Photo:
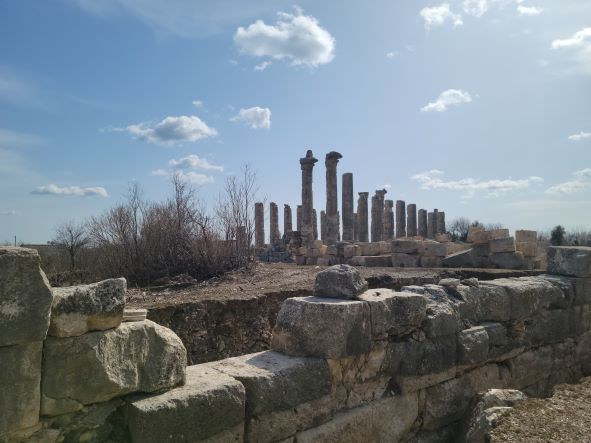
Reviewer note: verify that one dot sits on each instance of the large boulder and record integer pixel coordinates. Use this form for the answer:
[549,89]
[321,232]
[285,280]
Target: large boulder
[210,405]
[322,327]
[98,366]
[340,281]
[95,307]
[25,297]
[569,260]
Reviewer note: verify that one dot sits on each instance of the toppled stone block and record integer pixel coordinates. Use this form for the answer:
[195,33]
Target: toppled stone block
[135,357]
[394,313]
[569,260]
[407,246]
[481,249]
[95,307]
[283,394]
[400,260]
[211,405]
[25,297]
[20,378]
[502,245]
[340,281]
[523,236]
[472,281]
[507,260]
[322,327]
[472,345]
[434,249]
[462,259]
[450,282]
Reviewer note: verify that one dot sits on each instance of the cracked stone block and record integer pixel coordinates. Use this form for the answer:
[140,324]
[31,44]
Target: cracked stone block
[569,260]
[340,281]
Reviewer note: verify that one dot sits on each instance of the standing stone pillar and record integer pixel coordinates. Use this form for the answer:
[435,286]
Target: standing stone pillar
[388,222]
[440,222]
[430,224]
[287,220]
[274,235]
[435,211]
[323,226]
[363,217]
[422,224]
[307,164]
[259,225]
[400,219]
[332,217]
[314,224]
[347,203]
[411,220]
[377,215]
[299,218]
[355,227]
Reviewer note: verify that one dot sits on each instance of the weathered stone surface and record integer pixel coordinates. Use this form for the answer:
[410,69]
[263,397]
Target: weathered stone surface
[524,236]
[394,313]
[322,327]
[135,357]
[385,420]
[502,245]
[210,405]
[481,249]
[283,394]
[496,234]
[472,345]
[340,281]
[507,260]
[375,261]
[372,248]
[569,260]
[435,249]
[430,262]
[527,249]
[442,319]
[20,378]
[25,297]
[95,307]
[405,260]
[472,230]
[407,246]
[449,282]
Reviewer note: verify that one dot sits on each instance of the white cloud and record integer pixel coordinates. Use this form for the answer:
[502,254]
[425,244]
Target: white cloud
[78,191]
[255,117]
[192,177]
[193,161]
[263,65]
[438,15]
[197,103]
[580,136]
[172,130]
[392,54]
[581,182]
[451,97]
[477,8]
[295,37]
[529,11]
[432,179]
[578,47]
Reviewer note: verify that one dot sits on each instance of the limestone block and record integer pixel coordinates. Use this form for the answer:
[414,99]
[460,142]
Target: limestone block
[400,260]
[20,379]
[442,319]
[442,238]
[433,249]
[283,394]
[300,260]
[479,237]
[482,249]
[317,244]
[135,357]
[25,297]
[497,234]
[385,247]
[523,236]
[431,262]
[407,246]
[323,261]
[502,245]
[472,345]
[79,309]
[372,248]
[350,251]
[322,327]
[507,260]
[340,281]
[394,313]
[385,420]
[374,261]
[472,230]
[211,405]
[449,282]
[569,260]
[331,250]
[531,366]
[489,302]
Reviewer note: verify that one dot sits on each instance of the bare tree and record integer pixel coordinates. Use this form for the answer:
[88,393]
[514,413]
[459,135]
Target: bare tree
[458,228]
[71,237]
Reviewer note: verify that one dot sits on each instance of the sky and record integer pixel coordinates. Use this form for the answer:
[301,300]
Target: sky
[480,108]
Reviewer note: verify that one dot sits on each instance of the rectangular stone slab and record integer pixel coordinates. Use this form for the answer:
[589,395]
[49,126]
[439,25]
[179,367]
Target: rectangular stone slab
[569,260]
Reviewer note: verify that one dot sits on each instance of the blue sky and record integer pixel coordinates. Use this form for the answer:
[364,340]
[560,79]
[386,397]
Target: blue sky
[481,108]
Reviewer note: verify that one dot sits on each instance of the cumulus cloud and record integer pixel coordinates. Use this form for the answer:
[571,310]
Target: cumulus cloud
[432,179]
[392,54]
[438,15]
[263,65]
[193,177]
[447,99]
[77,191]
[580,182]
[193,161]
[578,47]
[172,130]
[530,11]
[295,37]
[477,8]
[580,136]
[254,117]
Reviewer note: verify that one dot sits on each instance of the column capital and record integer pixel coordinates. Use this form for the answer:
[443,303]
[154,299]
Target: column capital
[308,161]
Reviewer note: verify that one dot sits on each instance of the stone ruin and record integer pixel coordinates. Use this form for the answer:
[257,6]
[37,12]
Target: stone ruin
[396,234]
[428,363]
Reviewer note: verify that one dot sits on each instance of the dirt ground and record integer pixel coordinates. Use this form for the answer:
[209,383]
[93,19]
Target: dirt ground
[564,417]
[267,278]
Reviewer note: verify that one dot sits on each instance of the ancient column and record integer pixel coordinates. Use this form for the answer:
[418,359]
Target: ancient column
[332,220]
[362,217]
[435,211]
[314,224]
[323,226]
[411,220]
[307,164]
[259,225]
[388,222]
[299,218]
[274,235]
[430,225]
[440,222]
[422,225]
[347,204]
[287,220]
[377,215]
[355,227]
[400,219]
